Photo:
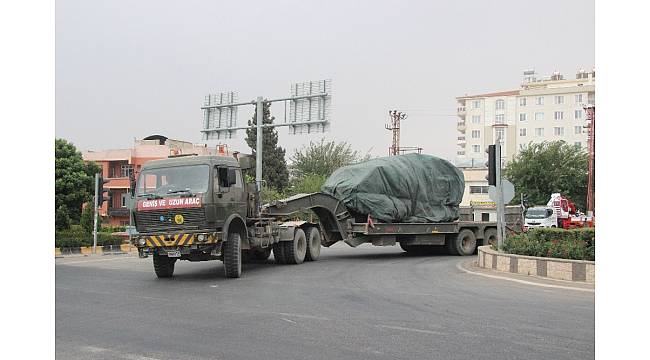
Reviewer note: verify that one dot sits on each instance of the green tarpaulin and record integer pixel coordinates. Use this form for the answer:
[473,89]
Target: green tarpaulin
[404,188]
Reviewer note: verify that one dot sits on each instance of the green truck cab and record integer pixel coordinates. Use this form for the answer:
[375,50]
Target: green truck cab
[199,208]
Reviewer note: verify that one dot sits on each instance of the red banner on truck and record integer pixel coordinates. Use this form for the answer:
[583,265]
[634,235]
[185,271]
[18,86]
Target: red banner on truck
[169,203]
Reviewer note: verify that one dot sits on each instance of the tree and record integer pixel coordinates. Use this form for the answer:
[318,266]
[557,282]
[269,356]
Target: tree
[73,179]
[323,158]
[307,184]
[274,165]
[61,218]
[87,220]
[550,167]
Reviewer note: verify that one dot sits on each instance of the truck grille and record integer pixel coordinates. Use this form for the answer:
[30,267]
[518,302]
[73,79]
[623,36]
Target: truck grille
[163,220]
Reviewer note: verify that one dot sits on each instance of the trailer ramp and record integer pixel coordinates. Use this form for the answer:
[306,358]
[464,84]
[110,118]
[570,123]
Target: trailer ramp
[332,213]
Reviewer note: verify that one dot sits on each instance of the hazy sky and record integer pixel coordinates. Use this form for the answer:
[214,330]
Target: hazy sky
[128,69]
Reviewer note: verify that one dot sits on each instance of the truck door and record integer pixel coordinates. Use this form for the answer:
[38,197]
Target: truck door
[228,192]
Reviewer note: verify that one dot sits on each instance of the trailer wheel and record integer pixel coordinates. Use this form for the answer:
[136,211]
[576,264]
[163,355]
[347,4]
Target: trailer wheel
[295,250]
[490,236]
[232,256]
[463,244]
[163,266]
[278,252]
[313,244]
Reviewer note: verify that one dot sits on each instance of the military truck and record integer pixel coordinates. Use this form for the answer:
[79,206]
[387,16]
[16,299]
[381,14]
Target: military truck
[198,208]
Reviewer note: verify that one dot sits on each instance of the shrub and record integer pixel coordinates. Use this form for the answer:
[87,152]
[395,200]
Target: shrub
[76,237]
[62,218]
[576,244]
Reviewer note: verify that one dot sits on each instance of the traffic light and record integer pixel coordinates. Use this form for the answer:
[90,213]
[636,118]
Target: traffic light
[100,191]
[491,165]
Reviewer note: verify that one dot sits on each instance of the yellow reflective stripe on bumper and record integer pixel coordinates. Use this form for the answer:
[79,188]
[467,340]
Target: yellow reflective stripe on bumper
[177,240]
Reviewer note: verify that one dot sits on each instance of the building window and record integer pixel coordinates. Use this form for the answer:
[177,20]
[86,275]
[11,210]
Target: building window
[578,114]
[476,134]
[476,119]
[522,101]
[522,146]
[539,116]
[558,131]
[522,117]
[559,115]
[500,119]
[476,104]
[476,148]
[578,129]
[522,132]
[123,200]
[478,189]
[578,98]
[559,99]
[126,170]
[539,100]
[500,134]
[460,153]
[539,132]
[577,144]
[500,104]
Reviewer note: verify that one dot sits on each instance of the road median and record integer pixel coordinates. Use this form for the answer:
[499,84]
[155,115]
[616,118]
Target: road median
[552,268]
[101,250]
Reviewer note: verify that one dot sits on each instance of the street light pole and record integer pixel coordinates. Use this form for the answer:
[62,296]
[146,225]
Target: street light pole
[259,150]
[95,217]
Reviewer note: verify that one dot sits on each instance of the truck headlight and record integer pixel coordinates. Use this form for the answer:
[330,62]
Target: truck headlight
[142,241]
[201,237]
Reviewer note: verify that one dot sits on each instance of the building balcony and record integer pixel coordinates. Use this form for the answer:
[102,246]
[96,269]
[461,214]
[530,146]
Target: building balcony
[500,124]
[122,212]
[461,126]
[461,111]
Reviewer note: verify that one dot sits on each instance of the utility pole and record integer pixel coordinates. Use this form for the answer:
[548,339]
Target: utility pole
[95,219]
[259,150]
[394,126]
[591,144]
[501,229]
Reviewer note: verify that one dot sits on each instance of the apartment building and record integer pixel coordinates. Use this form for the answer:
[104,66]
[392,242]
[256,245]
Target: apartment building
[542,109]
[118,165]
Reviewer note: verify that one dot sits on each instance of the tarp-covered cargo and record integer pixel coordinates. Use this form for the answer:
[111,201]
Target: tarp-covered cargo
[405,188]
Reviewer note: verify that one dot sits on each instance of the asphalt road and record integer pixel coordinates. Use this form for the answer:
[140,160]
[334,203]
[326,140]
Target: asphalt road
[363,303]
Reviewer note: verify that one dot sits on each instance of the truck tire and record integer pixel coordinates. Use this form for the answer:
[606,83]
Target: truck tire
[232,256]
[490,236]
[464,243]
[313,244]
[278,252]
[163,266]
[296,249]
[260,254]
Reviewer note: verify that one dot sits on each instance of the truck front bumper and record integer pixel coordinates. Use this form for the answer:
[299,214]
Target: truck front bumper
[185,243]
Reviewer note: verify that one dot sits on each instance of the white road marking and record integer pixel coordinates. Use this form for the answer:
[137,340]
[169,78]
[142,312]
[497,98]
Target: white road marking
[287,320]
[461,268]
[430,332]
[302,316]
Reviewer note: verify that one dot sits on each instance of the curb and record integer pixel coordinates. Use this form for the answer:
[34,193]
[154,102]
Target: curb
[553,268]
[101,250]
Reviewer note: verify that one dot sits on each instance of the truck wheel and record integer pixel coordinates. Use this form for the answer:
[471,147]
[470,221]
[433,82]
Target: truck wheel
[313,244]
[463,244]
[232,255]
[260,254]
[278,252]
[295,250]
[490,236]
[163,266]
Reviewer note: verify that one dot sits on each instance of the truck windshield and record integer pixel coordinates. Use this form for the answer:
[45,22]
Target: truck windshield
[537,214]
[190,179]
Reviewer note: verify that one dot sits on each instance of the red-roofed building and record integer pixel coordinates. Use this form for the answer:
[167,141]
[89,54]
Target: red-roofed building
[118,164]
